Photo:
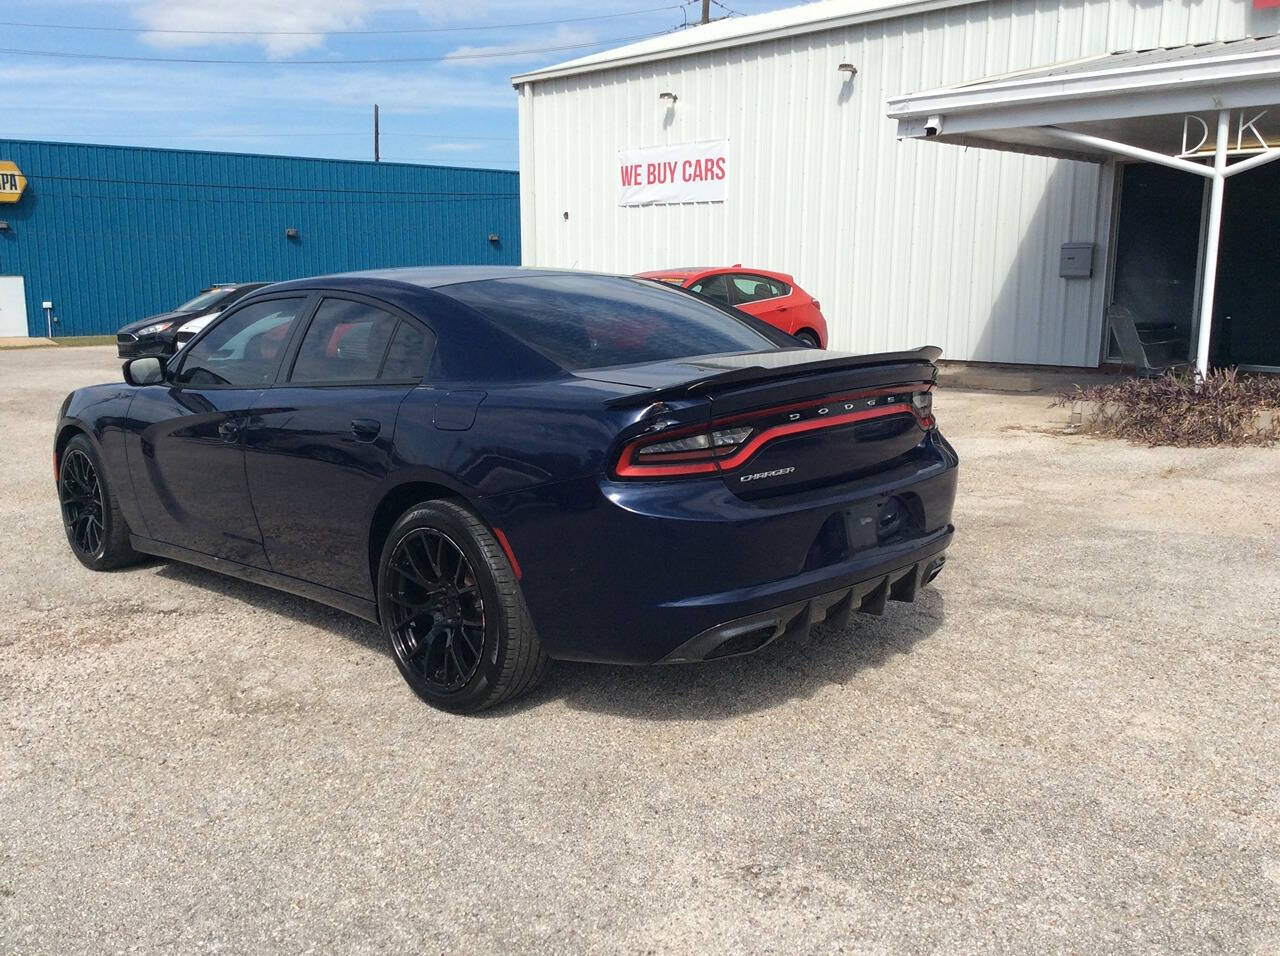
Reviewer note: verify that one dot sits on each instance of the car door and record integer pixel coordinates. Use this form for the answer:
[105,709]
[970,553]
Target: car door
[187,453]
[319,443]
[762,297]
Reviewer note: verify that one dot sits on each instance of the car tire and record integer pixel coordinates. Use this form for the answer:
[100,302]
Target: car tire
[809,339]
[96,530]
[453,611]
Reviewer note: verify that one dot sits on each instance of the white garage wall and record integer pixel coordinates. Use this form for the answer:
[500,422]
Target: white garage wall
[906,243]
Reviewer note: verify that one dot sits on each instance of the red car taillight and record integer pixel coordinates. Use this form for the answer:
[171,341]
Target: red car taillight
[724,444]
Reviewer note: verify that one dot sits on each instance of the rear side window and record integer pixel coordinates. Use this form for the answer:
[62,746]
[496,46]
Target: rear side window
[346,342]
[245,348]
[713,287]
[747,288]
[584,322]
[407,357]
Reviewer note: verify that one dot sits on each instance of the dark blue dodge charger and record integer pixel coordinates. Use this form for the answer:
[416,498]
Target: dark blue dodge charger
[501,466]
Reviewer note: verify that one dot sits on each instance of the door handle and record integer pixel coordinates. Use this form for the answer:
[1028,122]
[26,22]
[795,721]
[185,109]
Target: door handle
[229,431]
[365,429]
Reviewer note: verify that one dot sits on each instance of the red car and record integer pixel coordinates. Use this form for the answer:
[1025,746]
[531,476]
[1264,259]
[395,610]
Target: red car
[771,296]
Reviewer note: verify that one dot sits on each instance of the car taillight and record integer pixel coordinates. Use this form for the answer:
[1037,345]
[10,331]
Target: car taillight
[724,444]
[922,402]
[817,305]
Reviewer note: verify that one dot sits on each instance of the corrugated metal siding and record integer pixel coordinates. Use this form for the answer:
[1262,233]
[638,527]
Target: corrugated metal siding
[111,234]
[904,243]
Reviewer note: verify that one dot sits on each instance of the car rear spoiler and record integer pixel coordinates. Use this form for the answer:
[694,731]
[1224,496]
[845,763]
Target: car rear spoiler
[754,371]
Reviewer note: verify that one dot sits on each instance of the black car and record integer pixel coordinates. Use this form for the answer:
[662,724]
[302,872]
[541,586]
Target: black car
[501,466]
[167,332]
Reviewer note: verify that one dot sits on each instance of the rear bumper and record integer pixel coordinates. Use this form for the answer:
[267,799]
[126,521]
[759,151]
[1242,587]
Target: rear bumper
[750,633]
[642,572]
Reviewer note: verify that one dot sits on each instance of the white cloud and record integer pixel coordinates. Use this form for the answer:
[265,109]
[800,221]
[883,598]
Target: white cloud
[488,55]
[271,15]
[300,16]
[202,93]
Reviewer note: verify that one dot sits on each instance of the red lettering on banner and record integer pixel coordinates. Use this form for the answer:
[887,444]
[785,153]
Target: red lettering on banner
[702,170]
[663,174]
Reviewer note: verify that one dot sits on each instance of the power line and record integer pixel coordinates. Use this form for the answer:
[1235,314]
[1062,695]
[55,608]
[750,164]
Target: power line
[60,54]
[728,10]
[329,33]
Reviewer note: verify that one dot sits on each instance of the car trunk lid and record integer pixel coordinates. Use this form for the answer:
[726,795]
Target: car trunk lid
[781,421]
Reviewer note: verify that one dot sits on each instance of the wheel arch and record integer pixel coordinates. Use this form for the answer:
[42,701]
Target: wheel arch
[395,502]
[67,431]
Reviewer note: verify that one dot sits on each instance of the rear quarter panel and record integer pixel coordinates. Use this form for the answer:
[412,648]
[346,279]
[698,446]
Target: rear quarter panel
[521,436]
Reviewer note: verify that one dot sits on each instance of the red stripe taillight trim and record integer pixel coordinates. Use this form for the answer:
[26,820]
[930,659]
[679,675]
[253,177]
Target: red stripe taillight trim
[628,467]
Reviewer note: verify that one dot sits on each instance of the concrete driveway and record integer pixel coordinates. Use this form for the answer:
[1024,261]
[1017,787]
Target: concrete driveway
[1070,744]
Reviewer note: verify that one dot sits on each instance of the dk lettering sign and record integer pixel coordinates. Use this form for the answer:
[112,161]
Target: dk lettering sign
[690,172]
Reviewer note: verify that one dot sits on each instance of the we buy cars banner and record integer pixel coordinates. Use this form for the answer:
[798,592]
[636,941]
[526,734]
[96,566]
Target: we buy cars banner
[689,172]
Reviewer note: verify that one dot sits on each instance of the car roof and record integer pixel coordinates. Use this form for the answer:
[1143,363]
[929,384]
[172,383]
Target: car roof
[682,271]
[425,277]
[691,271]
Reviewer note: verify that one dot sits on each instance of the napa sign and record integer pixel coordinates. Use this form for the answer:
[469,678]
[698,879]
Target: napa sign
[12,182]
[689,172]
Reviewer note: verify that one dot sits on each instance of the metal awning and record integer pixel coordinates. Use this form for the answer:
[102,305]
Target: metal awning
[1193,108]
[1140,96]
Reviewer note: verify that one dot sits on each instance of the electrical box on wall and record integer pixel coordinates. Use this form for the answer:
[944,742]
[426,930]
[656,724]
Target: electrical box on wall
[1076,261]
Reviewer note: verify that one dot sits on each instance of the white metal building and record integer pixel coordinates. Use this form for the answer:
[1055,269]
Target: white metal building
[909,242]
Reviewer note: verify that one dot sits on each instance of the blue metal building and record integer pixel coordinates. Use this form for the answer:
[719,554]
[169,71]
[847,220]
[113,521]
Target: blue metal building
[110,234]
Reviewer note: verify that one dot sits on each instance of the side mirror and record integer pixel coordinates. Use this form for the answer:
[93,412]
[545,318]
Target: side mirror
[145,370]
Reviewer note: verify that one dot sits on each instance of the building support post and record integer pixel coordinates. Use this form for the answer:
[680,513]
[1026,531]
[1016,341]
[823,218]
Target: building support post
[1213,230]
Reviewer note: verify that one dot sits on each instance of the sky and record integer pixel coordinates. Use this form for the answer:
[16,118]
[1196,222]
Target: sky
[456,107]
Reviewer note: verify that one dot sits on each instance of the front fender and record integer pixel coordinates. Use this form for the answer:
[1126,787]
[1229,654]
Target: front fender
[101,414]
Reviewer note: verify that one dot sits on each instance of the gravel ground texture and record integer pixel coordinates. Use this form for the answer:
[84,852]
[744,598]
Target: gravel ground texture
[1069,744]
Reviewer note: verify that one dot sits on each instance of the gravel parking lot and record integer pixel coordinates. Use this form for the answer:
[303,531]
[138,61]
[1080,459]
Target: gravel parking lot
[1070,743]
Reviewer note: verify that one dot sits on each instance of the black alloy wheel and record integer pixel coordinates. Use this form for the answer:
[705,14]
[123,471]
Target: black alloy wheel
[809,339]
[450,603]
[437,623]
[96,530]
[83,504]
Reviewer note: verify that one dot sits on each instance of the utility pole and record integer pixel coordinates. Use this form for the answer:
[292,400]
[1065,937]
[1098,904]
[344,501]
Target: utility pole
[706,11]
[376,157]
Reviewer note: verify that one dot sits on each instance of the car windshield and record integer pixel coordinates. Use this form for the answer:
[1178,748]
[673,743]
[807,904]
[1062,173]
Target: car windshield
[587,322]
[205,300]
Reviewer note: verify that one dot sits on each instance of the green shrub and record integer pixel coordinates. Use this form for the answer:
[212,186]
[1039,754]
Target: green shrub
[1181,408]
